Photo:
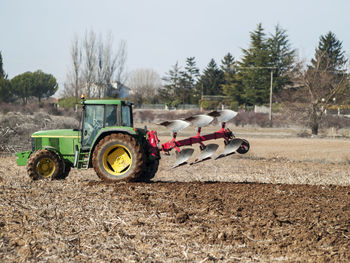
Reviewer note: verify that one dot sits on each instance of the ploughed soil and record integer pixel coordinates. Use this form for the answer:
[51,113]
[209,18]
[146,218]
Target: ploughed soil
[83,219]
[287,199]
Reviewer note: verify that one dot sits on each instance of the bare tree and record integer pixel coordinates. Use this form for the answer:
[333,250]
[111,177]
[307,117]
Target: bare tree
[322,83]
[121,62]
[89,70]
[95,65]
[144,84]
[99,67]
[76,59]
[72,84]
[110,64]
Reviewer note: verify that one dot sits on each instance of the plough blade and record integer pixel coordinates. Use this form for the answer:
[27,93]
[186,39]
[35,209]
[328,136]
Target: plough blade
[231,147]
[224,115]
[207,152]
[176,125]
[200,120]
[183,156]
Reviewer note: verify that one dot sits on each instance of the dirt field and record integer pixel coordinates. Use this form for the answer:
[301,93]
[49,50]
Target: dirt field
[287,200]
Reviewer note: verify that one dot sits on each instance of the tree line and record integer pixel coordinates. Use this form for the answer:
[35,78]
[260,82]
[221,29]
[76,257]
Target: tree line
[247,81]
[269,59]
[28,84]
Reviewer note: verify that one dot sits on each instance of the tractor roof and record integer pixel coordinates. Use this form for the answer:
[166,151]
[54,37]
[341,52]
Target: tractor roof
[106,101]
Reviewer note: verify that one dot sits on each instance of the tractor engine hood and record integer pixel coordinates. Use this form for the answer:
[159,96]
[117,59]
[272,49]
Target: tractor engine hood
[62,133]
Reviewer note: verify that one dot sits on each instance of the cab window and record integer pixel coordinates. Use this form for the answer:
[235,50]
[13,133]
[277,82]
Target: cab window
[111,115]
[126,116]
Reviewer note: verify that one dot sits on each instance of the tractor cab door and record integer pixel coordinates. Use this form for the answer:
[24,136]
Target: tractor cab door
[92,123]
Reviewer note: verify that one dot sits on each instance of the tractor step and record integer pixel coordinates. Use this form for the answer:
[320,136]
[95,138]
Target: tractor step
[83,162]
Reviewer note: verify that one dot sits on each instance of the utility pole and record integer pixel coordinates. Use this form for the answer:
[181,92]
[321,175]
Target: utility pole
[270,112]
[183,97]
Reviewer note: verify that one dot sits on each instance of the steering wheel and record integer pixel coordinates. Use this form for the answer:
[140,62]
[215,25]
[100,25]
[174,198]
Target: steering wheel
[97,124]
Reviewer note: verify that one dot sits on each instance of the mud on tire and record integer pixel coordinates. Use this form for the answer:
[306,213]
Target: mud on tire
[44,164]
[118,157]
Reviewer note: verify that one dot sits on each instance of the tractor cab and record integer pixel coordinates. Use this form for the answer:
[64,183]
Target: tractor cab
[101,114]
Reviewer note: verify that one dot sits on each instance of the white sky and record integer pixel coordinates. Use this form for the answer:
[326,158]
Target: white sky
[37,34]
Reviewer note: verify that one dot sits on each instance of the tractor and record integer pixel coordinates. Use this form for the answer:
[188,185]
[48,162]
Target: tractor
[107,141]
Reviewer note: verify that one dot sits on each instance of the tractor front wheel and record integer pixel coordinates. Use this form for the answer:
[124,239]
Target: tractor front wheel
[118,157]
[44,164]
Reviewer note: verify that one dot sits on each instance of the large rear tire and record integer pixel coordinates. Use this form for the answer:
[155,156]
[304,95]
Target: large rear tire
[118,157]
[44,164]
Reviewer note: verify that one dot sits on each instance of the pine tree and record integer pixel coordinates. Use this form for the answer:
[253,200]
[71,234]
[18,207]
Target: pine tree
[212,79]
[170,93]
[190,76]
[254,71]
[232,86]
[329,53]
[43,85]
[282,57]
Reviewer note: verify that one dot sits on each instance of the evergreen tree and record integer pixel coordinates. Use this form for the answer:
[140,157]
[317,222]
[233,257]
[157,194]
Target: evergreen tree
[227,64]
[2,72]
[5,90]
[37,84]
[43,85]
[170,93]
[190,76]
[22,85]
[232,86]
[212,79]
[254,71]
[329,53]
[282,57]
[5,86]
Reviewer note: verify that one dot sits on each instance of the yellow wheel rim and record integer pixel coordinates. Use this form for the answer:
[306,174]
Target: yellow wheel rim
[45,167]
[117,160]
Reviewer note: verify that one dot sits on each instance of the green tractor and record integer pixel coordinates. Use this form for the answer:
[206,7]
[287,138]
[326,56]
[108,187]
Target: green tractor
[106,141]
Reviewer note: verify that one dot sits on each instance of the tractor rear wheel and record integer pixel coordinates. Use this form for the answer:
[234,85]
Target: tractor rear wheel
[118,157]
[44,164]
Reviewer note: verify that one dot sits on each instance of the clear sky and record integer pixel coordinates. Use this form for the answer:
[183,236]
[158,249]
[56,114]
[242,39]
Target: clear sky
[37,34]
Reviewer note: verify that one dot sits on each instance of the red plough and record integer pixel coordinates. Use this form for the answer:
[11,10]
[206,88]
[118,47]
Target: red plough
[232,144]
